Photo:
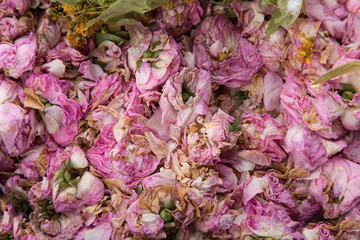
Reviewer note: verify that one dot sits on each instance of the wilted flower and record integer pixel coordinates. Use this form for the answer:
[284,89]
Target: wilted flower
[91,71]
[61,114]
[341,25]
[301,108]
[164,177]
[11,28]
[61,51]
[177,17]
[127,151]
[306,206]
[153,57]
[9,90]
[266,219]
[14,7]
[18,58]
[220,49]
[336,188]
[73,186]
[100,229]
[307,149]
[148,215]
[18,129]
[271,187]
[110,54]
[53,224]
[318,231]
[259,139]
[185,96]
[203,180]
[106,88]
[49,34]
[204,140]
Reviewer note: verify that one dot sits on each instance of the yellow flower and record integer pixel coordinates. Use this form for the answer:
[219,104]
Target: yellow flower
[68,9]
[305,52]
[222,56]
[326,34]
[80,27]
[76,40]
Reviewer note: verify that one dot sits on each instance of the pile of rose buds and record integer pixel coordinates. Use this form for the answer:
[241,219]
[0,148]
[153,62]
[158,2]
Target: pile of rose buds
[200,126]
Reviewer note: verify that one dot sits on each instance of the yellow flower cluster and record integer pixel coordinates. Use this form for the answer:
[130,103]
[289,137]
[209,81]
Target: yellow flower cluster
[305,52]
[78,33]
[78,17]
[68,9]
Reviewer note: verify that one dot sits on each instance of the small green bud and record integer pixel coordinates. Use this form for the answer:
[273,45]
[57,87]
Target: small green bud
[50,210]
[67,177]
[47,105]
[348,95]
[166,215]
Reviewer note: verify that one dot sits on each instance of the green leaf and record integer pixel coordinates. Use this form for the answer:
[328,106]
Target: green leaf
[281,17]
[68,2]
[124,20]
[338,71]
[100,37]
[122,7]
[266,2]
[272,27]
[121,20]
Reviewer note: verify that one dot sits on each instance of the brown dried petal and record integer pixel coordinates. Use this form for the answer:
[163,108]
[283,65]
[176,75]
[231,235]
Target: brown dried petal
[298,173]
[42,165]
[32,100]
[156,145]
